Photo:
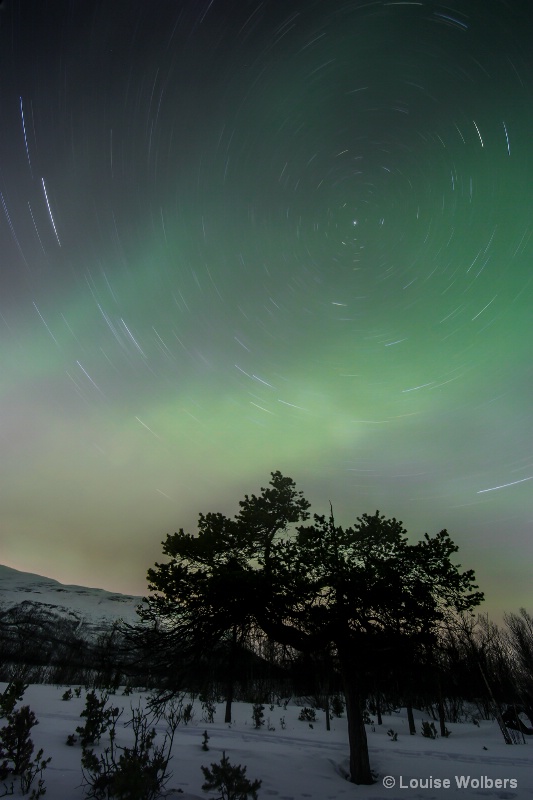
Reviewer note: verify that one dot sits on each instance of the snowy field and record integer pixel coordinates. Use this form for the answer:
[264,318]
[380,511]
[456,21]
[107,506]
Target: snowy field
[299,761]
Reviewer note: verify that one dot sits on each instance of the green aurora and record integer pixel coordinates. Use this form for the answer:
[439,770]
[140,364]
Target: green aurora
[242,237]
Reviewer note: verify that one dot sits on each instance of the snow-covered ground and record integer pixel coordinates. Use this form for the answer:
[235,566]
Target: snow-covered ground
[300,761]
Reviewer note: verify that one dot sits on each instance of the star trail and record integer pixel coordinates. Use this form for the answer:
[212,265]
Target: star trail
[243,236]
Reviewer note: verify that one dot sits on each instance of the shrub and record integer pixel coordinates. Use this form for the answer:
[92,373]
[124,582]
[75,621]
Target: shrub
[16,752]
[307,715]
[230,780]
[337,706]
[139,772]
[97,718]
[258,715]
[393,735]
[208,709]
[187,714]
[13,692]
[367,719]
[67,695]
[429,730]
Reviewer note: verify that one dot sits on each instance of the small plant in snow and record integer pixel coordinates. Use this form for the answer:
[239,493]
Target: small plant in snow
[97,718]
[282,723]
[337,706]
[393,735]
[367,720]
[187,714]
[307,715]
[429,730]
[67,695]
[230,781]
[208,708]
[258,715]
[139,772]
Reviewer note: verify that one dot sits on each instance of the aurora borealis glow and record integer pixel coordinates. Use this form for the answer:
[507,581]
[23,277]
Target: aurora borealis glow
[241,236]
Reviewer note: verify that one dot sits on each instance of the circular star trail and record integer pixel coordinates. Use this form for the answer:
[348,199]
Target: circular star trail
[238,237]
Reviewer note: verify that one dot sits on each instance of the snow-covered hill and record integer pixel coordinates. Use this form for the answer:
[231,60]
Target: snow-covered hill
[95,608]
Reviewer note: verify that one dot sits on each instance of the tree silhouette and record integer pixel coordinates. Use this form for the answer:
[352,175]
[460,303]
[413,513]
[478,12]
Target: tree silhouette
[363,592]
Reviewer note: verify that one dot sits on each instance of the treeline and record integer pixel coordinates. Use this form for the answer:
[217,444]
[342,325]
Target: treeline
[38,645]
[475,669]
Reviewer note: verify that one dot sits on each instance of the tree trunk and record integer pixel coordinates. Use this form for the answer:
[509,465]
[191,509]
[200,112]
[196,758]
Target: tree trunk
[231,674]
[328,715]
[410,717]
[326,691]
[497,710]
[378,709]
[442,716]
[360,771]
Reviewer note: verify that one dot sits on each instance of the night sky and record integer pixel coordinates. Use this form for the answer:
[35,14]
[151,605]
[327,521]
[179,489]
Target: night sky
[241,236]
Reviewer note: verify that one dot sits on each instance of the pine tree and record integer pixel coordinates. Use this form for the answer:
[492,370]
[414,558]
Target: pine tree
[362,593]
[230,780]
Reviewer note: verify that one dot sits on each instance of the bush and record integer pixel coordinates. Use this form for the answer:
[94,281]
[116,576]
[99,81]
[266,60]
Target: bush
[230,780]
[429,730]
[98,718]
[139,772]
[208,708]
[188,713]
[307,715]
[367,719]
[337,706]
[13,692]
[16,748]
[258,715]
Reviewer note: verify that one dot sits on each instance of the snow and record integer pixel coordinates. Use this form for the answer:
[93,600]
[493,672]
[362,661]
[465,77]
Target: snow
[299,761]
[93,606]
